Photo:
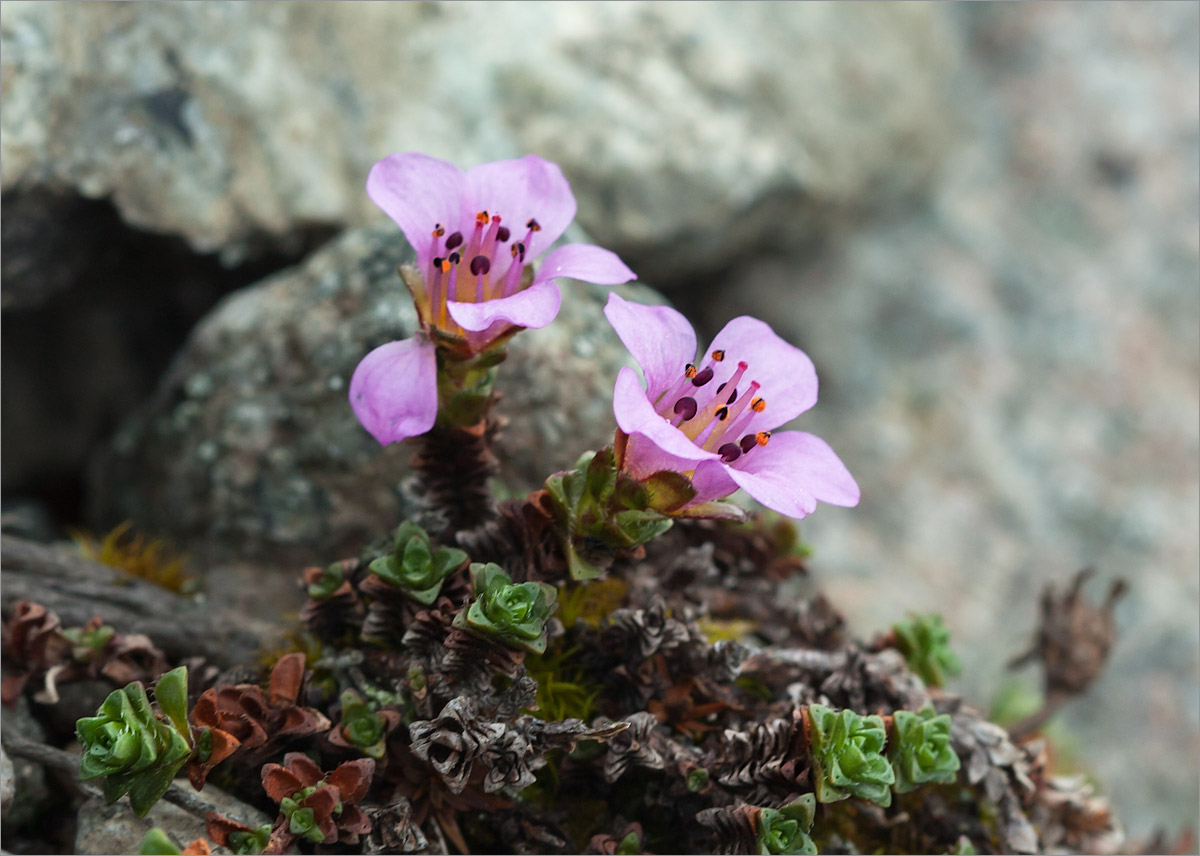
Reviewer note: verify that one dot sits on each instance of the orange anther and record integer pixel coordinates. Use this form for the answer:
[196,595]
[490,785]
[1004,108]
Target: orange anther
[758,405]
[762,437]
[718,355]
[482,218]
[445,265]
[438,230]
[690,371]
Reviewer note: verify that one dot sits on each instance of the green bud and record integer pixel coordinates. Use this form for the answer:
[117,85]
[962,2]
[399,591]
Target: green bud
[847,756]
[921,752]
[330,581]
[362,726]
[925,642]
[513,613]
[135,751]
[250,843]
[785,830]
[697,779]
[415,567]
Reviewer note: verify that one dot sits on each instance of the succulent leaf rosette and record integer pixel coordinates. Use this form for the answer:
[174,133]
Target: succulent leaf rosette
[136,751]
[920,751]
[847,755]
[711,419]
[924,640]
[785,830]
[415,566]
[476,236]
[512,613]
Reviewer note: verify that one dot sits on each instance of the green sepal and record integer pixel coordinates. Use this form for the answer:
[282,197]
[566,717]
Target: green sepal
[156,843]
[785,830]
[921,752]
[668,491]
[601,475]
[638,527]
[714,511]
[847,756]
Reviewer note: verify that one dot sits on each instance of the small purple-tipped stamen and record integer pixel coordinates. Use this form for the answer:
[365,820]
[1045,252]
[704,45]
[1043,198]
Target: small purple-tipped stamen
[480,265]
[685,407]
[732,396]
[730,452]
[747,443]
[454,240]
[702,377]
[503,234]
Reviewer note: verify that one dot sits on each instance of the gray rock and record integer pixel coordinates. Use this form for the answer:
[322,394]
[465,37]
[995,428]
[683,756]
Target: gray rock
[703,128]
[24,778]
[104,828]
[8,783]
[250,450]
[1010,372]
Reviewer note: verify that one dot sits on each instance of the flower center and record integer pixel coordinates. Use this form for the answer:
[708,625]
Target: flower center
[712,414]
[470,269]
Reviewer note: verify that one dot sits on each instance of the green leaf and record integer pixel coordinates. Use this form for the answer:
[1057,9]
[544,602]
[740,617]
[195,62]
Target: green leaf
[846,753]
[668,491]
[250,843]
[785,830]
[171,694]
[388,570]
[405,532]
[925,642]
[156,843]
[580,569]
[446,560]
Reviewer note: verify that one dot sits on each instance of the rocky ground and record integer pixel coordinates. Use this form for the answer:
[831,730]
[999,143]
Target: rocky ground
[981,222]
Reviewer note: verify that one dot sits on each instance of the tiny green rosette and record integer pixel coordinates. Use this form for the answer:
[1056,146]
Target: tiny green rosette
[512,613]
[847,754]
[415,566]
[785,830]
[136,751]
[362,726]
[921,752]
[924,640]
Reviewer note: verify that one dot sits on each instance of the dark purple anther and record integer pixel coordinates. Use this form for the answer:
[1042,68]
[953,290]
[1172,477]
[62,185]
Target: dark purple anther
[730,452]
[454,240]
[502,234]
[454,258]
[480,265]
[747,443]
[685,407]
[520,245]
[732,396]
[702,377]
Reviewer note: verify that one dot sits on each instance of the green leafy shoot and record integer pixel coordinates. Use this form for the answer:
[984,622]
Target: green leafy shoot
[415,566]
[924,640]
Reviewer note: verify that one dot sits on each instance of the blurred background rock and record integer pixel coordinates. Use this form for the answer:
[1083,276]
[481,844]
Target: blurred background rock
[982,222]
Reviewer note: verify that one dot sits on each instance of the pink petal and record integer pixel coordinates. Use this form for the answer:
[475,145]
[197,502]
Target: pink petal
[584,262]
[789,381]
[635,415]
[792,472]
[660,339]
[712,482]
[394,390]
[534,307]
[419,192]
[523,189]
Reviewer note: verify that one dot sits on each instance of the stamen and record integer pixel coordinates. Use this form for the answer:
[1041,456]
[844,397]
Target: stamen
[503,234]
[512,279]
[722,414]
[732,396]
[452,284]
[730,452]
[481,218]
[758,405]
[747,443]
[532,225]
[454,240]
[438,230]
[685,407]
[739,415]
[689,371]
[762,437]
[480,265]
[702,377]
[718,355]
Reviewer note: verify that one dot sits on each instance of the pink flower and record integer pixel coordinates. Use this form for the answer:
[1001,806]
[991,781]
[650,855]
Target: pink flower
[476,235]
[711,419]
